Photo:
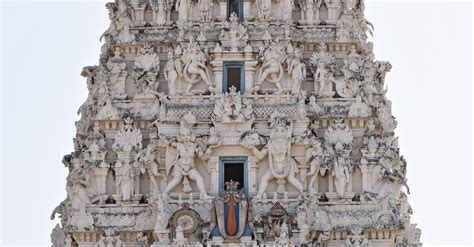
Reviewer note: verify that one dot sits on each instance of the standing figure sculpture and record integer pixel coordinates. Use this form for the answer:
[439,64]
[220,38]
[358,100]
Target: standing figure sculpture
[341,175]
[125,178]
[297,70]
[78,182]
[281,165]
[182,165]
[195,69]
[314,156]
[173,70]
[205,6]
[264,8]
[159,12]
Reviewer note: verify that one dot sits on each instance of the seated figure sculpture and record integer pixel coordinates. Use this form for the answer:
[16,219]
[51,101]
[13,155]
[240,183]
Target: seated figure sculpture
[281,165]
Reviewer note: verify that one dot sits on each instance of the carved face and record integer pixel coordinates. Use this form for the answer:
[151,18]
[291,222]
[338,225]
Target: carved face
[279,132]
[185,136]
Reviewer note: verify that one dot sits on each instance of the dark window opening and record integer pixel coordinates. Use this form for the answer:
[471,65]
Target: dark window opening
[233,77]
[235,6]
[235,172]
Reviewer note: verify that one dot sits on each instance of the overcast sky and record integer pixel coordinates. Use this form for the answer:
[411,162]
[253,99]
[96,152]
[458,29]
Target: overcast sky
[46,44]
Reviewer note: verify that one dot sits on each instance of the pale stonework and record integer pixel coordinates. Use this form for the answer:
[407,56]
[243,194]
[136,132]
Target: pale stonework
[310,120]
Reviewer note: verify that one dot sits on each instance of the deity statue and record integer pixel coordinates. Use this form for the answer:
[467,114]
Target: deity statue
[272,66]
[128,138]
[145,72]
[147,162]
[180,240]
[117,74]
[264,8]
[286,8]
[205,6]
[158,203]
[281,165]
[78,183]
[236,34]
[182,8]
[173,71]
[314,156]
[323,74]
[121,17]
[182,165]
[195,69]
[160,11]
[341,175]
[297,70]
[125,178]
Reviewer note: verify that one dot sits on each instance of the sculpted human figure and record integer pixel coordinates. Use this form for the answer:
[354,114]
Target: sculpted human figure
[323,74]
[341,175]
[264,8]
[314,156]
[182,8]
[183,166]
[278,149]
[272,68]
[205,6]
[173,70]
[147,162]
[297,70]
[286,7]
[117,74]
[195,69]
[125,175]
[159,11]
[78,182]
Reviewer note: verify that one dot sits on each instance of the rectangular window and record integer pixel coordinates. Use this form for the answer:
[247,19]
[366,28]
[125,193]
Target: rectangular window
[235,6]
[233,77]
[233,168]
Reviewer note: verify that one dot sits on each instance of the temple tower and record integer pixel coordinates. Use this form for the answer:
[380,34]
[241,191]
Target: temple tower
[236,123]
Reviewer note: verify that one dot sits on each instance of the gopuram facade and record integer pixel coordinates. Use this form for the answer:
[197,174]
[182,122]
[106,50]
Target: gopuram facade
[236,123]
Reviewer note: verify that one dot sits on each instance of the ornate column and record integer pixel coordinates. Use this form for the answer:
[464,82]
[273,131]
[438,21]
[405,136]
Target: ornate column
[247,10]
[249,72]
[213,166]
[334,8]
[366,179]
[253,169]
[217,70]
[303,167]
[100,174]
[139,13]
[222,10]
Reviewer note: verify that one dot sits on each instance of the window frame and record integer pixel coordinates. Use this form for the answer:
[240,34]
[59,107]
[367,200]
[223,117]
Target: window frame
[240,14]
[227,65]
[233,160]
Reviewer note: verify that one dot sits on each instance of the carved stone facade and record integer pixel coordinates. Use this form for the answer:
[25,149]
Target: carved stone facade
[236,123]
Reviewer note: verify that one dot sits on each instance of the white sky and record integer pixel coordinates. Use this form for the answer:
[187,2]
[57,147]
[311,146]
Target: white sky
[46,44]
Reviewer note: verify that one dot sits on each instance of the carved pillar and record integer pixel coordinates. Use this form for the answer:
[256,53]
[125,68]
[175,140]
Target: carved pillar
[222,10]
[247,10]
[213,164]
[100,174]
[249,72]
[334,8]
[253,168]
[365,170]
[217,70]
[139,15]
[303,167]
